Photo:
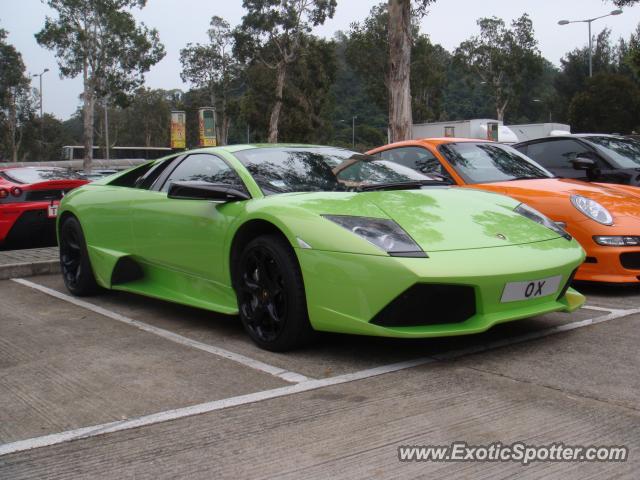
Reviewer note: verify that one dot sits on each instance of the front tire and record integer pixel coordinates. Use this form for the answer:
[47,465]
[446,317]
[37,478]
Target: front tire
[271,297]
[74,259]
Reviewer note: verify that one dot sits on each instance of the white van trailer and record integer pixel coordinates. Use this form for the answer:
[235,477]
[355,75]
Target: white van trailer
[531,131]
[480,128]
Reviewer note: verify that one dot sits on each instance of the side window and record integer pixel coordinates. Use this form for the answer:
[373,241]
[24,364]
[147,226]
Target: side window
[417,158]
[557,153]
[203,167]
[145,182]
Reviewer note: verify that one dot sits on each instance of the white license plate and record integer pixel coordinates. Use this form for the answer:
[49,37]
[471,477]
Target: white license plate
[529,290]
[52,211]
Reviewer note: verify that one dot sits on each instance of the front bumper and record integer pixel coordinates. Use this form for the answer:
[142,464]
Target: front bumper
[346,291]
[603,263]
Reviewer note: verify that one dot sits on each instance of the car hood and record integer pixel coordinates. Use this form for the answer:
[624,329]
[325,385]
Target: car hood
[545,194]
[438,219]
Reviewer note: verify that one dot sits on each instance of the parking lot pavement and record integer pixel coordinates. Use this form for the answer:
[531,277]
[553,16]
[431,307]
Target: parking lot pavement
[199,400]
[62,367]
[353,431]
[611,295]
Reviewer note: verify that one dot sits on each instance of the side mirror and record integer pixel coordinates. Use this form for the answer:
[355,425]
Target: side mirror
[216,192]
[583,163]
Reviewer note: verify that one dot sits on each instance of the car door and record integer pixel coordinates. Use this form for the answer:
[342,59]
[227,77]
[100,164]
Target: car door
[556,155]
[186,235]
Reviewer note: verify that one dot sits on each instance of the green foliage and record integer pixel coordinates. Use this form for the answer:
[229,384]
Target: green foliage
[610,103]
[307,105]
[575,68]
[625,3]
[101,40]
[16,101]
[429,66]
[103,37]
[367,52]
[506,59]
[273,33]
[214,68]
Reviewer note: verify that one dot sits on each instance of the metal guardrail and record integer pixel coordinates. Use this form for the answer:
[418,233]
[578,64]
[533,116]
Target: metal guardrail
[77,164]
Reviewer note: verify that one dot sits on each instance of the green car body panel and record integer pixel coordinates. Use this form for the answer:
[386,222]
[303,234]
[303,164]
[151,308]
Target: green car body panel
[184,247]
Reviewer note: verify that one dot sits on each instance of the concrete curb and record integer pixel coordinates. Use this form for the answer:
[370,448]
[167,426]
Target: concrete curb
[31,269]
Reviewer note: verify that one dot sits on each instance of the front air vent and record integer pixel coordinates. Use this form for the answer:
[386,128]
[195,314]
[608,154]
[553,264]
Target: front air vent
[428,304]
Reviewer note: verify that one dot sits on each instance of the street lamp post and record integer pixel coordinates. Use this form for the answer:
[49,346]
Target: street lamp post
[353,131]
[589,21]
[41,111]
[106,128]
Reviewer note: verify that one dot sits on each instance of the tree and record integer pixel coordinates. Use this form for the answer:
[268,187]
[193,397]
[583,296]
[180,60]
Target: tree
[630,52]
[625,3]
[145,119]
[574,73]
[100,40]
[503,58]
[16,99]
[272,33]
[609,104]
[400,43]
[429,66]
[368,54]
[213,67]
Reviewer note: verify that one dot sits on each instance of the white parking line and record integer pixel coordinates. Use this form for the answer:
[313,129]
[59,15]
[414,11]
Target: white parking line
[602,309]
[87,432]
[286,375]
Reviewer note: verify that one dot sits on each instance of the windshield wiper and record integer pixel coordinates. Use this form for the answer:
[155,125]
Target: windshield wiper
[523,178]
[400,185]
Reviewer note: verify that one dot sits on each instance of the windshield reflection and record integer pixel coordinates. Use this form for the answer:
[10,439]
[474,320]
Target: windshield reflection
[624,151]
[490,162]
[321,169]
[26,175]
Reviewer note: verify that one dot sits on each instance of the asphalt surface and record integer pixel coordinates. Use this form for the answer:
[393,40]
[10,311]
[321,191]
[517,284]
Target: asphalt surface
[129,387]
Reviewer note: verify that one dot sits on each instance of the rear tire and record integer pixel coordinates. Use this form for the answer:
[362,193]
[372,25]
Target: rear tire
[74,260]
[271,296]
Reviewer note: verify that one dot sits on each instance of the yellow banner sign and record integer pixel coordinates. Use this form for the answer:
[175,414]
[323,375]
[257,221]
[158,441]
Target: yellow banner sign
[178,130]
[207,124]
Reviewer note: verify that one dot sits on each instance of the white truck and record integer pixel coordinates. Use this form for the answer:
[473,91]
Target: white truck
[532,131]
[480,128]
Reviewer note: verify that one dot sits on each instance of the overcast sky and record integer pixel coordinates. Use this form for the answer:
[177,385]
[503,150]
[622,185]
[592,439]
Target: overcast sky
[182,21]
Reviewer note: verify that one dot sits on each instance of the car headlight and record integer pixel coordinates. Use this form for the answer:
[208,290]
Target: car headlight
[384,234]
[617,241]
[532,214]
[592,209]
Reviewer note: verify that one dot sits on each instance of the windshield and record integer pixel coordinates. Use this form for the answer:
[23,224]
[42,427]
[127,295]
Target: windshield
[624,151]
[490,162]
[322,169]
[37,175]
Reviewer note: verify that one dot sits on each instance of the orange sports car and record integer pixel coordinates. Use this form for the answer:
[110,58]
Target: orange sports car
[605,219]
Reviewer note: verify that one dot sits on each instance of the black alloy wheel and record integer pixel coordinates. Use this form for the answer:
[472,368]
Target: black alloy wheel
[74,259]
[271,296]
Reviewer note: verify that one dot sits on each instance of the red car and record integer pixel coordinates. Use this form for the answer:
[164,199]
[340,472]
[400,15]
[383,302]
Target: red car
[29,198]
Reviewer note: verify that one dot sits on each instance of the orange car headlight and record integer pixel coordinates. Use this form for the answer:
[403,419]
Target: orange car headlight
[617,241]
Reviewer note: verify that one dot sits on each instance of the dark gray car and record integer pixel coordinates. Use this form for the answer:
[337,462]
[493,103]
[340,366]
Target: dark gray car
[594,157]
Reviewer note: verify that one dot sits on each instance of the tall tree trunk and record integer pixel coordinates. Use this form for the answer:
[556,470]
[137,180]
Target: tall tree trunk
[223,125]
[400,116]
[13,125]
[88,109]
[501,107]
[281,76]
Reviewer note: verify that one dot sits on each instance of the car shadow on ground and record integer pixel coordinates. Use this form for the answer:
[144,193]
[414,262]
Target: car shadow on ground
[329,353]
